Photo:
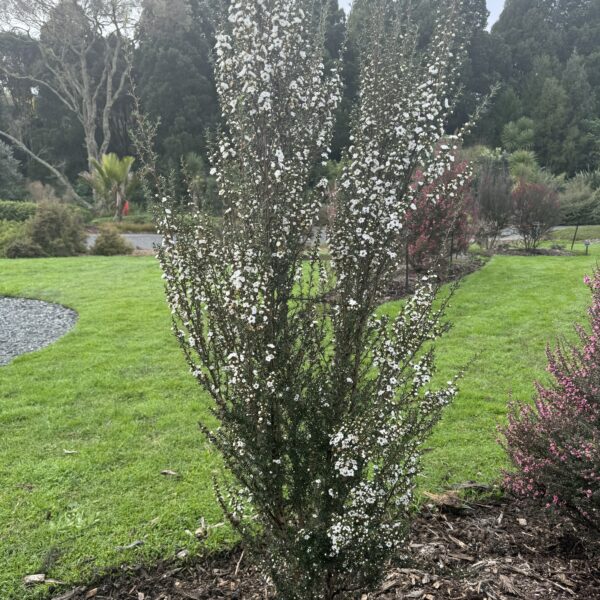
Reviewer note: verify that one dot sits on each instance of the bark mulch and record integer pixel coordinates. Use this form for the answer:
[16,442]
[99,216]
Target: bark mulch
[483,550]
[461,267]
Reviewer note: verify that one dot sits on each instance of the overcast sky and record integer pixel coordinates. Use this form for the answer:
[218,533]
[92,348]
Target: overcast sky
[494,6]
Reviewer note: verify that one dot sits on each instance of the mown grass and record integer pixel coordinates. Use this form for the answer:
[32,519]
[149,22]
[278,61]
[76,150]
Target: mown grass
[585,232]
[116,391]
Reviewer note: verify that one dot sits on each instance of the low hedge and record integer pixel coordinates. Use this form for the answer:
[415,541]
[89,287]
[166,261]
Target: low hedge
[11,210]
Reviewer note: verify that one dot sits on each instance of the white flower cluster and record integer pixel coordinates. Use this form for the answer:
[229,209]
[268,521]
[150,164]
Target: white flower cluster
[323,406]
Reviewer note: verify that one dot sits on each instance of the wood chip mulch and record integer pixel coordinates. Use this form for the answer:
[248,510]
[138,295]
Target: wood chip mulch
[486,550]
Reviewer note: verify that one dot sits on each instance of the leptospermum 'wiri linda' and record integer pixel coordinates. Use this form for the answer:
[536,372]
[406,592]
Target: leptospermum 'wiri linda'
[322,405]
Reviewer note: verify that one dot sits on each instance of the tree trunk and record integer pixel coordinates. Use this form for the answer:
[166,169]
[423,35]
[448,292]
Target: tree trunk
[119,207]
[574,237]
[63,180]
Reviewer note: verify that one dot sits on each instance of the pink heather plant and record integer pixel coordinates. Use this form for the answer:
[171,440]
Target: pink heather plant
[555,445]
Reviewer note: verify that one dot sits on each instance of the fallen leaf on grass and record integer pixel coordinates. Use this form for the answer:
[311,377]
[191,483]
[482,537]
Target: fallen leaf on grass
[33,579]
[169,473]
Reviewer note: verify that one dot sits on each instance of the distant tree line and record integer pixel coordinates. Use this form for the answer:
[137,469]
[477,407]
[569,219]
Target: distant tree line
[67,72]
[545,56]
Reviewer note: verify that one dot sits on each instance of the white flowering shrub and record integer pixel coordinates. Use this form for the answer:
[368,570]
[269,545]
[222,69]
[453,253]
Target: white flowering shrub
[322,404]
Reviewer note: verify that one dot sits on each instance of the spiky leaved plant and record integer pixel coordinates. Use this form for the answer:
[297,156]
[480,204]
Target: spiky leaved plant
[322,404]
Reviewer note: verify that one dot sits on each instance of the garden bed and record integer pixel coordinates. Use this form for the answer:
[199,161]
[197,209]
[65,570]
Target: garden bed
[511,251]
[460,268]
[481,550]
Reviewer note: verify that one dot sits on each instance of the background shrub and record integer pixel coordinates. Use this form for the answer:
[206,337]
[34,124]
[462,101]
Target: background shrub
[111,243]
[536,212]
[555,445]
[580,203]
[10,231]
[440,226]
[57,229]
[493,199]
[11,210]
[24,247]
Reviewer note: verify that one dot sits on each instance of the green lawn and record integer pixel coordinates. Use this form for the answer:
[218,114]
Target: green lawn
[115,390]
[585,232]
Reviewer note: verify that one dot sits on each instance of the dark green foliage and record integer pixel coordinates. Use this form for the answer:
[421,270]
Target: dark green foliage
[546,54]
[10,231]
[111,243]
[57,229]
[11,210]
[518,135]
[11,180]
[339,45]
[174,76]
[24,248]
[580,203]
[505,106]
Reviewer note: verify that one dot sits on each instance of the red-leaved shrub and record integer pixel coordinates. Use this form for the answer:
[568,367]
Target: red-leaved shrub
[536,211]
[439,228]
[555,445]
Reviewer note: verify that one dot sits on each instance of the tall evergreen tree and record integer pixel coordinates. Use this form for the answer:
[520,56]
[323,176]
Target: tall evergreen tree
[554,74]
[174,75]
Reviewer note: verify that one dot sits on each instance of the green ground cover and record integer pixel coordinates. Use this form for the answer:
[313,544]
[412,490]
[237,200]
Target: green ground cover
[116,391]
[136,222]
[585,232]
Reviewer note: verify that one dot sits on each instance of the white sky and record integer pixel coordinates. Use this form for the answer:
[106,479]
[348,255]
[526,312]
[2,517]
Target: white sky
[494,6]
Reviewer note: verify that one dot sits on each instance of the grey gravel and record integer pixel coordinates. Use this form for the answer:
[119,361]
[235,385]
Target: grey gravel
[29,325]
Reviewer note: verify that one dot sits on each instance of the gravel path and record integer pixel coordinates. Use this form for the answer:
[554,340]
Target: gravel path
[29,325]
[140,241]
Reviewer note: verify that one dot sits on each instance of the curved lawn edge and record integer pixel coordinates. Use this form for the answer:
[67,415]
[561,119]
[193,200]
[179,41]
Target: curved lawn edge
[119,395]
[29,325]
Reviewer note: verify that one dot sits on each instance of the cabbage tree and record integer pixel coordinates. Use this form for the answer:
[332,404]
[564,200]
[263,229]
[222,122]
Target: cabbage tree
[112,181]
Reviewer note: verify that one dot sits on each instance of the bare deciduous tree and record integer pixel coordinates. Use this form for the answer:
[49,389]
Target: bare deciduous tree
[82,59]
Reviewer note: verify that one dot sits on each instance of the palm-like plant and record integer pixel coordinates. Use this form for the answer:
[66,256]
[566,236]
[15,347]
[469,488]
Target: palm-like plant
[112,180]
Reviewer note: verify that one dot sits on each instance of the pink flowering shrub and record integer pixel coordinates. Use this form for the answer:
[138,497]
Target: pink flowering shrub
[555,445]
[440,225]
